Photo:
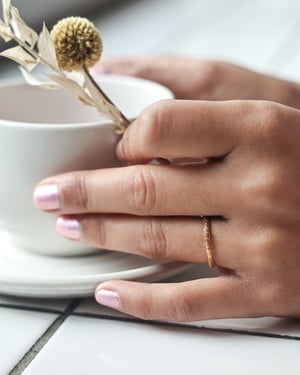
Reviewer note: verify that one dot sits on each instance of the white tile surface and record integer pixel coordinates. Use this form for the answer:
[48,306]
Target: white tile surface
[93,346]
[18,332]
[268,325]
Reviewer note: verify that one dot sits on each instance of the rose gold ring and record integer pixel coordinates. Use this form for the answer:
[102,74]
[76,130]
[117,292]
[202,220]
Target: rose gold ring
[208,242]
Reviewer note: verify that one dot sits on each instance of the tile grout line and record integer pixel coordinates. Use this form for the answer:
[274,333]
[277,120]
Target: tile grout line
[189,326]
[130,319]
[134,320]
[63,316]
[43,339]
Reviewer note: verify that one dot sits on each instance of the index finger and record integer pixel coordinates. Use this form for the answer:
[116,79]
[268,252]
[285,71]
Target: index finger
[186,129]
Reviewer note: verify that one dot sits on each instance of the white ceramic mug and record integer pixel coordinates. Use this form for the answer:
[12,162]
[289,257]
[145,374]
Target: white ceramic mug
[46,132]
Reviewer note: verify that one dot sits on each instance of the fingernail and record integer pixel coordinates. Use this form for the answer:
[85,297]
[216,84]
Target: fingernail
[108,298]
[46,197]
[69,228]
[119,151]
[189,161]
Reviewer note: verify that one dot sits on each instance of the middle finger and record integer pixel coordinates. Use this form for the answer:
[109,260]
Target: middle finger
[144,190]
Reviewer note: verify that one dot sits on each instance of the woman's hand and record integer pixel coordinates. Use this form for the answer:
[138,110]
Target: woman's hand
[191,78]
[250,190]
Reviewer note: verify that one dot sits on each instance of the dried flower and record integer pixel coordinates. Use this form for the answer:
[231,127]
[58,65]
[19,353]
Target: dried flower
[77,43]
[77,46]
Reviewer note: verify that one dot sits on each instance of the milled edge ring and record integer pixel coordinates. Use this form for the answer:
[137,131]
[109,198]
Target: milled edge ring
[208,242]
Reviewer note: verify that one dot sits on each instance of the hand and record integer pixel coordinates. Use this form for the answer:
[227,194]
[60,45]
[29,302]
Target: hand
[191,78]
[250,190]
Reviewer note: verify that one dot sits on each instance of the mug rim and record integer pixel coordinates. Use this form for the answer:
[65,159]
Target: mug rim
[141,82]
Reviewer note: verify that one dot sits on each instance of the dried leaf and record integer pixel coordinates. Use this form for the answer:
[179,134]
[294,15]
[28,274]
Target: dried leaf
[76,76]
[103,107]
[33,81]
[46,48]
[6,11]
[21,29]
[72,87]
[5,32]
[19,55]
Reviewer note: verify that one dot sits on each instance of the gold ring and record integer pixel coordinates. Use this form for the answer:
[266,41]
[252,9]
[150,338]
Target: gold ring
[208,242]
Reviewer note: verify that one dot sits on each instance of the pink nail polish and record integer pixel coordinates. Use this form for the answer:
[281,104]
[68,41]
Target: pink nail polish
[108,298]
[46,197]
[69,228]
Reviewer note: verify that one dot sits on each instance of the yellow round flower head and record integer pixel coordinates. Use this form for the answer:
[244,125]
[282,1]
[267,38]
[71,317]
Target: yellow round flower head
[77,43]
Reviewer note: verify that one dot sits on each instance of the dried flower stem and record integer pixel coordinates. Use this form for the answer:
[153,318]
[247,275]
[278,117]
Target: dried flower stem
[124,120]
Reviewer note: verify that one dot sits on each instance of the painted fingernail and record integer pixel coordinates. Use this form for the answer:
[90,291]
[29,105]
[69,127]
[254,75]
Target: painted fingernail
[46,197]
[108,298]
[69,228]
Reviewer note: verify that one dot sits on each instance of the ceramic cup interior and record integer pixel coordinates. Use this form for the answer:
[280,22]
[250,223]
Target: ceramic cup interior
[46,132]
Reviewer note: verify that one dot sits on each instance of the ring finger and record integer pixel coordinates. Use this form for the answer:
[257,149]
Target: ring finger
[178,238]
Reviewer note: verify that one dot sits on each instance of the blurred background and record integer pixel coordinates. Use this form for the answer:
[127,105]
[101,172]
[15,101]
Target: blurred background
[260,34]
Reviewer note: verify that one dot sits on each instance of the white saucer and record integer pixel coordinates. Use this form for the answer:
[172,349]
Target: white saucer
[31,275]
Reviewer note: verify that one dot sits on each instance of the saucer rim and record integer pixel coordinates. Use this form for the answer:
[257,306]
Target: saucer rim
[27,284]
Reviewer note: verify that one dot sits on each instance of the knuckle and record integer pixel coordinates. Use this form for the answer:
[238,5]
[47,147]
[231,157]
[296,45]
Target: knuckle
[140,191]
[141,70]
[156,121]
[269,259]
[272,117]
[265,124]
[101,234]
[153,126]
[177,306]
[146,307]
[264,187]
[265,245]
[153,240]
[146,312]
[273,297]
[81,197]
[264,183]
[274,183]
[180,306]
[210,78]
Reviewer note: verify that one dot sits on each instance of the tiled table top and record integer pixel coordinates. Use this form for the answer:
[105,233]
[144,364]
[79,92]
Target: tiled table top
[40,337]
